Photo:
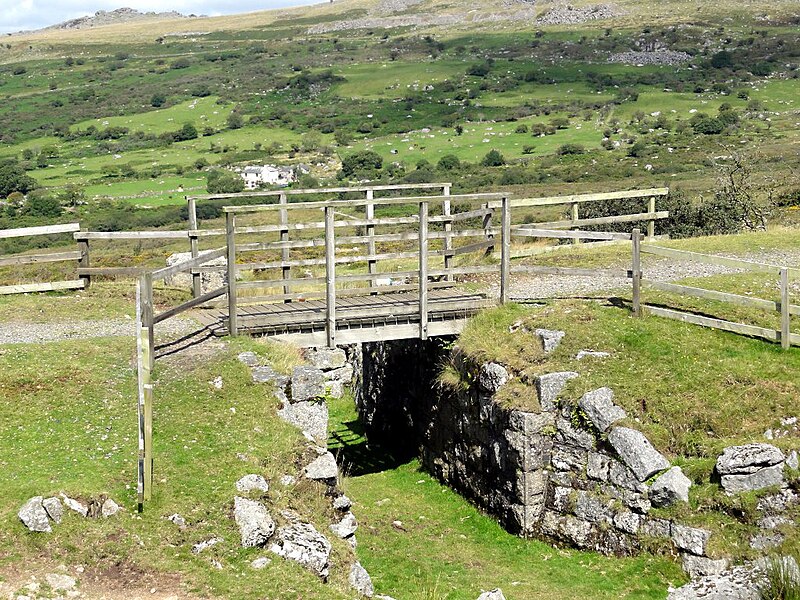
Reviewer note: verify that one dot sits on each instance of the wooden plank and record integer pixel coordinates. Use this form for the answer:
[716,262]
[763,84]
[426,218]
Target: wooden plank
[576,222]
[54,286]
[723,261]
[310,262]
[113,271]
[83,262]
[651,223]
[317,191]
[188,264]
[423,270]
[448,218]
[330,278]
[636,243]
[786,321]
[131,235]
[571,271]
[447,245]
[685,290]
[505,251]
[40,230]
[167,314]
[463,249]
[30,259]
[555,200]
[230,238]
[375,334]
[577,234]
[148,308]
[741,328]
[369,212]
[140,380]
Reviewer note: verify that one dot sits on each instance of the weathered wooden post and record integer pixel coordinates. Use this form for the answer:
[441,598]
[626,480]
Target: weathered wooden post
[651,223]
[423,270]
[330,277]
[448,237]
[636,275]
[146,280]
[286,271]
[145,403]
[575,216]
[83,261]
[230,239]
[505,253]
[786,320]
[487,226]
[193,245]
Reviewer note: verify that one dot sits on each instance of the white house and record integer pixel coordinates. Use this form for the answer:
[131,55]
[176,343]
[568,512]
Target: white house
[267,175]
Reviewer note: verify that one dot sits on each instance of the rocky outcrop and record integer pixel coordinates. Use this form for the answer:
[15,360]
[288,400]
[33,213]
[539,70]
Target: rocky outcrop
[323,468]
[252,482]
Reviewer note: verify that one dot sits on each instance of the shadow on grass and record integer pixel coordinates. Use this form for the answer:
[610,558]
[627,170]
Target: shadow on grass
[357,456]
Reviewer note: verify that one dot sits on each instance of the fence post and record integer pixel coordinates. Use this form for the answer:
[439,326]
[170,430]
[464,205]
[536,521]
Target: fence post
[83,262]
[448,238]
[651,223]
[575,216]
[230,239]
[505,253]
[786,321]
[286,272]
[372,264]
[193,246]
[147,316]
[423,270]
[487,224]
[636,239]
[145,404]
[330,277]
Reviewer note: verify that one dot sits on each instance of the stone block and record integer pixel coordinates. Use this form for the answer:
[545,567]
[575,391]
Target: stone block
[671,487]
[530,423]
[550,385]
[747,459]
[492,377]
[637,452]
[568,458]
[569,434]
[550,339]
[598,406]
[597,466]
[690,539]
[307,384]
[627,521]
[588,507]
[326,359]
[764,478]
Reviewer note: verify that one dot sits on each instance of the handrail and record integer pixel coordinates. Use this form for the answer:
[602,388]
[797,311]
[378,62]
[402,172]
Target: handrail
[313,191]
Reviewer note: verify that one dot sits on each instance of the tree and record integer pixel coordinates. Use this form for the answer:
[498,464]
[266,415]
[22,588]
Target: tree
[224,182]
[73,195]
[187,132]
[493,159]
[158,100]
[449,162]
[40,204]
[364,163]
[14,179]
[235,121]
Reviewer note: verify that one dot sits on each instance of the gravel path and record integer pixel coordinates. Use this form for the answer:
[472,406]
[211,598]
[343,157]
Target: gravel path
[36,333]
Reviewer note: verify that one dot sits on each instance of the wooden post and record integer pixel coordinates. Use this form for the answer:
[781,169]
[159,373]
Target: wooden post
[330,277]
[505,254]
[286,272]
[230,238]
[193,246]
[448,228]
[147,316]
[575,216]
[423,270]
[83,262]
[636,239]
[651,224]
[487,224]
[372,264]
[145,404]
[786,321]
[140,377]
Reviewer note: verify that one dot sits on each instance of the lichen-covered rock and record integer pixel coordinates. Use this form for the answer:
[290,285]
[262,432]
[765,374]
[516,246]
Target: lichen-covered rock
[360,580]
[307,384]
[637,452]
[550,385]
[738,583]
[530,423]
[60,582]
[671,487]
[327,358]
[343,374]
[492,377]
[54,509]
[265,374]
[302,543]
[627,521]
[700,566]
[549,338]
[255,524]
[569,434]
[75,505]
[251,482]
[109,508]
[597,466]
[310,416]
[323,468]
[342,503]
[690,539]
[656,528]
[764,478]
[495,594]
[34,515]
[750,458]
[346,527]
[598,406]
[249,359]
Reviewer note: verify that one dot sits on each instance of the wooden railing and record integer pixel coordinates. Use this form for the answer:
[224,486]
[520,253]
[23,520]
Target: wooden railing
[17,260]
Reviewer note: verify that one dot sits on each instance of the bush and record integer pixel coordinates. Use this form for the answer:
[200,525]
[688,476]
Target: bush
[493,158]
[449,162]
[224,182]
[42,205]
[568,149]
[235,121]
[158,100]
[14,179]
[706,125]
[364,163]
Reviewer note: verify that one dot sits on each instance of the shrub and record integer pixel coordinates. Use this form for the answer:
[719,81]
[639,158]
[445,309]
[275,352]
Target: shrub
[361,163]
[568,149]
[158,100]
[528,149]
[521,128]
[449,162]
[42,205]
[14,179]
[224,182]
[234,121]
[493,158]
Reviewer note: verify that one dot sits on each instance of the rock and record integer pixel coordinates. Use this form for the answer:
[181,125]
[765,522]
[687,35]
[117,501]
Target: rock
[567,434]
[589,507]
[599,407]
[310,416]
[773,522]
[248,359]
[495,594]
[59,582]
[301,543]
[771,476]
[209,281]
[343,374]
[110,508]
[657,528]
[288,480]
[671,487]
[591,354]
[307,384]
[621,476]
[739,583]
[492,377]
[260,563]
[177,520]
[326,359]
[766,541]
[549,338]
[54,509]
[775,503]
[550,385]
[691,539]
[629,522]
[700,566]
[76,505]
[255,524]
[34,515]
[342,503]
[323,468]
[637,452]
[264,374]
[346,527]
[206,544]
[748,459]
[360,580]
[251,482]
[792,461]
[334,389]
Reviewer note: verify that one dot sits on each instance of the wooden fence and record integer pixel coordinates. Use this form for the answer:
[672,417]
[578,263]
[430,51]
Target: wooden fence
[17,260]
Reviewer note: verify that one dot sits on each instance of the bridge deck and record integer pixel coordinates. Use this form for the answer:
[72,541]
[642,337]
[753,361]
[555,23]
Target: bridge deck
[358,318]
